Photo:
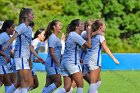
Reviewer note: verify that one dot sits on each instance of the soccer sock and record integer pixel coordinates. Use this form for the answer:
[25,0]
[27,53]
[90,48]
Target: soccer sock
[71,89]
[79,90]
[98,84]
[31,88]
[24,90]
[92,88]
[11,89]
[60,90]
[49,89]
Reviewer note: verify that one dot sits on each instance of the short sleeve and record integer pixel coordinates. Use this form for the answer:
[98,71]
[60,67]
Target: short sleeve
[102,39]
[52,41]
[83,34]
[2,39]
[77,38]
[34,44]
[21,29]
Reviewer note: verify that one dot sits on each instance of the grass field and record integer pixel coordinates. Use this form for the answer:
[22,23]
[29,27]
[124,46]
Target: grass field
[112,82]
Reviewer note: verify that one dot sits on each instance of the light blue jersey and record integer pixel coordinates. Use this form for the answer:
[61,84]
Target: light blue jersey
[71,58]
[4,37]
[93,55]
[55,43]
[51,67]
[73,47]
[23,41]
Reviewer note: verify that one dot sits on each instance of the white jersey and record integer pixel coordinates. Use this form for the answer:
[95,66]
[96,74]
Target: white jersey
[4,37]
[73,47]
[94,54]
[36,43]
[55,43]
[23,41]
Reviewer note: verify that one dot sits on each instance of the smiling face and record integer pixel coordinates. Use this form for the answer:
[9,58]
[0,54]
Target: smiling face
[30,16]
[41,36]
[80,27]
[11,29]
[58,26]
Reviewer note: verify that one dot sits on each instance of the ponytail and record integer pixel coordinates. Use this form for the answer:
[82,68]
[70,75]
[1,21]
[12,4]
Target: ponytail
[23,13]
[95,25]
[50,28]
[72,26]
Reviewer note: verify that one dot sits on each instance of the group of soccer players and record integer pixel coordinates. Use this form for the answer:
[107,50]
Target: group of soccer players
[81,57]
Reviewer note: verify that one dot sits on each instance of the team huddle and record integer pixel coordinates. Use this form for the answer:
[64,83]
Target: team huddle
[80,60]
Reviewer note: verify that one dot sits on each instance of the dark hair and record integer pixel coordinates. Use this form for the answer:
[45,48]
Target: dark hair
[39,31]
[23,13]
[6,24]
[32,24]
[95,25]
[50,28]
[72,26]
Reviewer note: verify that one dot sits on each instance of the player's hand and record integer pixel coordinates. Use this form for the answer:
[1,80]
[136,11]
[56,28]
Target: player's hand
[116,61]
[7,59]
[5,47]
[58,64]
[81,61]
[40,60]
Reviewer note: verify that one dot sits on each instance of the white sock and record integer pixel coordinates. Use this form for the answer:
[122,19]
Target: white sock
[71,89]
[11,89]
[6,87]
[98,84]
[60,90]
[18,90]
[92,88]
[79,90]
[31,88]
[24,90]
[95,92]
[49,89]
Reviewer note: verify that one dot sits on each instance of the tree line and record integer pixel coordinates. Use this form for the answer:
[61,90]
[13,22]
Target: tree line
[121,17]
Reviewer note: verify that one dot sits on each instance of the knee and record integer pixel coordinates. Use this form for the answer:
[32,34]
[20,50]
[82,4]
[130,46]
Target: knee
[67,89]
[80,85]
[58,84]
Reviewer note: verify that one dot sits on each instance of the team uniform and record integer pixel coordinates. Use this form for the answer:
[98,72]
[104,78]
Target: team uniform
[84,66]
[36,43]
[4,67]
[93,55]
[22,47]
[51,67]
[71,57]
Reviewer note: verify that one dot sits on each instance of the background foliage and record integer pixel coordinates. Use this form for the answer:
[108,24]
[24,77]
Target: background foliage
[122,17]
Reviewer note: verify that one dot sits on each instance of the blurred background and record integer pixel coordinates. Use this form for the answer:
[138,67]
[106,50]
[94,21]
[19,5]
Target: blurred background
[122,17]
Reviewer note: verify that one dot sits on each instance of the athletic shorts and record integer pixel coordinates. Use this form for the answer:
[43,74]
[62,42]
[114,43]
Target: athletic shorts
[21,63]
[68,68]
[4,69]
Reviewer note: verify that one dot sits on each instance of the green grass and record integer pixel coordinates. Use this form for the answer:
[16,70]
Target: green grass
[112,82]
